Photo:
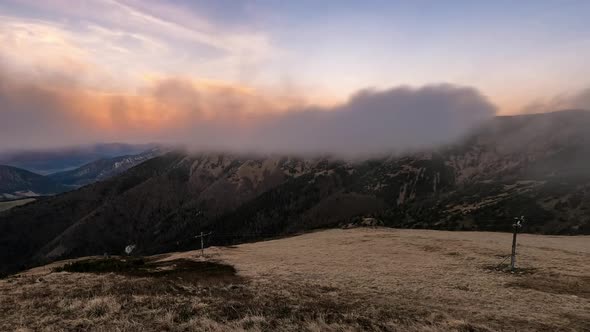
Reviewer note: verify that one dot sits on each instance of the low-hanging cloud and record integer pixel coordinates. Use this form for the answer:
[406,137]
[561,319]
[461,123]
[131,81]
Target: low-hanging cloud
[219,117]
[379,121]
[579,100]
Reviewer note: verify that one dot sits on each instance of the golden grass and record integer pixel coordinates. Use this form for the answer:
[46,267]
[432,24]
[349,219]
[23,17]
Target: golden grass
[336,280]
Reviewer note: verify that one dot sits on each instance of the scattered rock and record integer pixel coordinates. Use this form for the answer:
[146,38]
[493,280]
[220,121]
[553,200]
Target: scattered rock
[363,222]
[371,222]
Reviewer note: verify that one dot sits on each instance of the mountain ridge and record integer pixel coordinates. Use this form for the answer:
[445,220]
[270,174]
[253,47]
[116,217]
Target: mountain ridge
[17,183]
[531,165]
[101,169]
[14,186]
[47,161]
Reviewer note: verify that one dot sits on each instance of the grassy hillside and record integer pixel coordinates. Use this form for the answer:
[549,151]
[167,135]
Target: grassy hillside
[10,204]
[336,280]
[16,182]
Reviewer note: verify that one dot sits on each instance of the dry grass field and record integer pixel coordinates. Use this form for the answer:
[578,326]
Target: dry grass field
[335,280]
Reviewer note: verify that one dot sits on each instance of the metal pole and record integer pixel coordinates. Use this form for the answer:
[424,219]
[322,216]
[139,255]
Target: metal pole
[513,256]
[517,224]
[202,249]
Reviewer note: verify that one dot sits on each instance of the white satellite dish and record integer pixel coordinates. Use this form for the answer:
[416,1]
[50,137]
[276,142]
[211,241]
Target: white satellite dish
[129,249]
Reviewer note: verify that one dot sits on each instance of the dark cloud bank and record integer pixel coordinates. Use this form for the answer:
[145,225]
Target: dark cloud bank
[379,121]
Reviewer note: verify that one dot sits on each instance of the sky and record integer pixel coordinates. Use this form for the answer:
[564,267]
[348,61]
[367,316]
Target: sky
[137,70]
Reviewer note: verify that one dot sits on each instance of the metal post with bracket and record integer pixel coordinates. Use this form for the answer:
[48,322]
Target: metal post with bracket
[202,236]
[518,221]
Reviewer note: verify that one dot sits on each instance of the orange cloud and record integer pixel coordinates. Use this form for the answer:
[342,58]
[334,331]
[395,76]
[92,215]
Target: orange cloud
[49,112]
[165,105]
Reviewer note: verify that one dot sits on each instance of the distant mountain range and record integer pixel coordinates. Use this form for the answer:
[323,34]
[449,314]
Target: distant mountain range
[16,183]
[102,169]
[537,166]
[49,161]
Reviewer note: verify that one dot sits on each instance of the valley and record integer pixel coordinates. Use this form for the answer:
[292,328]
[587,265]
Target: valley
[17,183]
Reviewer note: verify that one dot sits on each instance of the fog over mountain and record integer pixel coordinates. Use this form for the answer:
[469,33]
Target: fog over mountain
[532,165]
[373,122]
[178,112]
[573,100]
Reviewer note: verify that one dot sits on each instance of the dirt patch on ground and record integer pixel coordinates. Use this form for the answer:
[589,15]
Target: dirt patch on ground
[578,286]
[176,269]
[505,268]
[430,248]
